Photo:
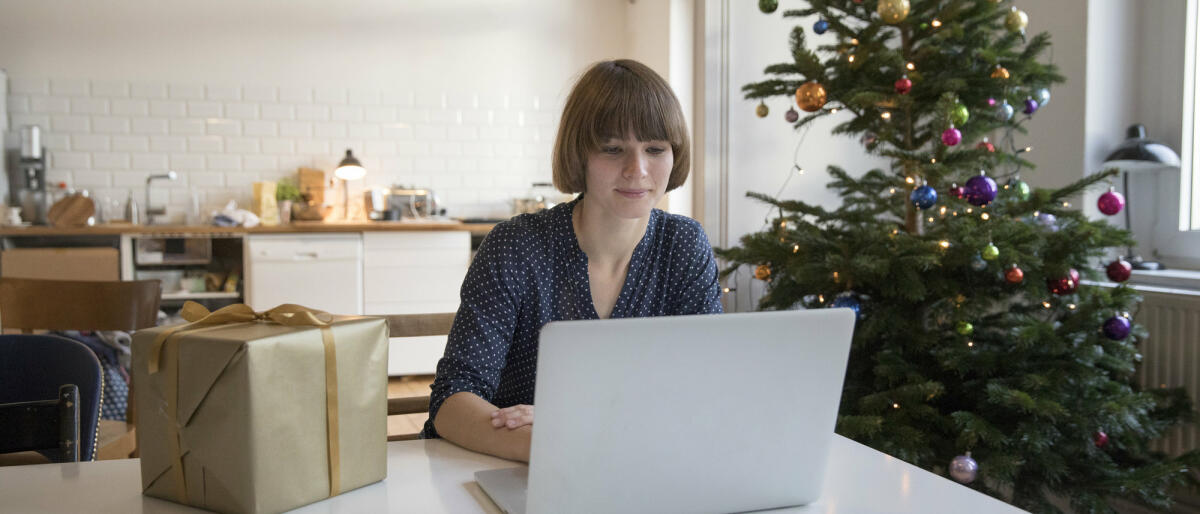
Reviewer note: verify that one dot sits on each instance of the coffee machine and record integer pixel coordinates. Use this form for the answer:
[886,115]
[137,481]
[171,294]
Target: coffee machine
[27,179]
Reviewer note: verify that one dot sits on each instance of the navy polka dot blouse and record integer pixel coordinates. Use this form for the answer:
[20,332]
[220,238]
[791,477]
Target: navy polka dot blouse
[530,271]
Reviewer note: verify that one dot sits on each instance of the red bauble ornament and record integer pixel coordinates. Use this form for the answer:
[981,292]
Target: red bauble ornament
[1014,275]
[1119,270]
[985,145]
[951,136]
[957,191]
[1064,285]
[904,85]
[1100,439]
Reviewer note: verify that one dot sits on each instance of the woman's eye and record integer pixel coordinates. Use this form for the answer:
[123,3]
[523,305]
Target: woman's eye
[611,149]
[656,150]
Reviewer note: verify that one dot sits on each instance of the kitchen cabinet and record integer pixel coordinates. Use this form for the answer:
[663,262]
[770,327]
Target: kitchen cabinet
[320,271]
[411,273]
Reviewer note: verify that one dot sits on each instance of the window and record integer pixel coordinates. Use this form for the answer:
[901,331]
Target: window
[1189,194]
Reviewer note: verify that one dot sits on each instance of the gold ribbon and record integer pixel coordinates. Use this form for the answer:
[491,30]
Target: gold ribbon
[288,314]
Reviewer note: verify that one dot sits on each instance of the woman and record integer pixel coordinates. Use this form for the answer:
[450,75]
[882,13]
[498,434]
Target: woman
[622,144]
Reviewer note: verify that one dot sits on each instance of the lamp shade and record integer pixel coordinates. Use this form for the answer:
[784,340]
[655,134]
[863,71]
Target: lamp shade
[1139,153]
[349,168]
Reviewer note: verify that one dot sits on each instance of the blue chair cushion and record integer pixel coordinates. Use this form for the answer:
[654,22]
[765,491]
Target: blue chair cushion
[32,367]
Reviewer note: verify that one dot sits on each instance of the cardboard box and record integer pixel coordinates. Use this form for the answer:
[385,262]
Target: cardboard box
[61,263]
[251,409]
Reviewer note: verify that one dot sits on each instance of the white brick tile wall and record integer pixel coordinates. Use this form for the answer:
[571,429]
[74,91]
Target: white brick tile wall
[149,126]
[110,124]
[70,124]
[131,143]
[89,105]
[131,107]
[108,134]
[90,142]
[50,104]
[110,88]
[70,87]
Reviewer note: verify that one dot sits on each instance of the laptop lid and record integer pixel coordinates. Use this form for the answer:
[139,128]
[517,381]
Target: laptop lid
[719,413]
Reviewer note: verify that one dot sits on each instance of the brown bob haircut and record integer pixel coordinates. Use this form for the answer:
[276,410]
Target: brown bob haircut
[612,99]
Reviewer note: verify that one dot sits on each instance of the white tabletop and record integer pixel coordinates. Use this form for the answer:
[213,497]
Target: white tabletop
[436,476]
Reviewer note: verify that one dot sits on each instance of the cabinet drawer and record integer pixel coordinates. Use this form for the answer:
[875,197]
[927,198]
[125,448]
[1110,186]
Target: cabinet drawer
[308,248]
[417,240]
[453,260]
[403,285]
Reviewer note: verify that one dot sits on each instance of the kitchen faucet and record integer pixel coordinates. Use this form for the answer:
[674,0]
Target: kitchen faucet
[151,211]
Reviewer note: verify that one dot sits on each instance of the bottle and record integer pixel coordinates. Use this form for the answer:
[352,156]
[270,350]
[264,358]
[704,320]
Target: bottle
[132,212]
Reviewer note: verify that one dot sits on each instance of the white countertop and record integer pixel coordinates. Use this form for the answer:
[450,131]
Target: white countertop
[435,476]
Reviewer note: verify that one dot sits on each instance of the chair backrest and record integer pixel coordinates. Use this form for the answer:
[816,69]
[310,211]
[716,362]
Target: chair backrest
[34,304]
[415,325]
[34,367]
[51,426]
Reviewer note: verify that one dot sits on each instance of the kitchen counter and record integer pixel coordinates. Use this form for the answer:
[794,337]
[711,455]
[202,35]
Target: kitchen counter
[295,227]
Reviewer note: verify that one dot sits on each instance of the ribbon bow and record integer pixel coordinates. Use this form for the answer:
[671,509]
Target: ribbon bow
[288,314]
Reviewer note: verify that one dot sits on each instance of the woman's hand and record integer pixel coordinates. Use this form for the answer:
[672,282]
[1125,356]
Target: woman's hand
[513,417]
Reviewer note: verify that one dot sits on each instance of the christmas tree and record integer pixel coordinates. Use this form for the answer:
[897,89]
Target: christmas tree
[977,353]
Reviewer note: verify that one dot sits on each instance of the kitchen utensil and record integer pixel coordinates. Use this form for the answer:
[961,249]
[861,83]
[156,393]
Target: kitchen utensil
[71,211]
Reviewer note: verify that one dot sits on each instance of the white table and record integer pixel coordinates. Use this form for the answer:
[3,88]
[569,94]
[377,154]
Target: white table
[436,476]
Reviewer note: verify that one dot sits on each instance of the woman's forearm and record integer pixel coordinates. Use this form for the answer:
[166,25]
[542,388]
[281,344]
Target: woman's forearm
[465,419]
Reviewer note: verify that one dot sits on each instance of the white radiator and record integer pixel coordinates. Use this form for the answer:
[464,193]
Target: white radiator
[1171,356]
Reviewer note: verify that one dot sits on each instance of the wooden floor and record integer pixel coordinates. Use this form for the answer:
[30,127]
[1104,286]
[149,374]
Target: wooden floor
[400,387]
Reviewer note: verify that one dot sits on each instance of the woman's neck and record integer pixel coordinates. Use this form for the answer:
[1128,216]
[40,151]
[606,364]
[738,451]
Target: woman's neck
[607,240]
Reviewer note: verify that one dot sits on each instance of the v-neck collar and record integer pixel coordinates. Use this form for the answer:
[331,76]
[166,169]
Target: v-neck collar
[632,272]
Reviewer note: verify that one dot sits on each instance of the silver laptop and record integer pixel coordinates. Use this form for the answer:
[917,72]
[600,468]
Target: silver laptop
[721,413]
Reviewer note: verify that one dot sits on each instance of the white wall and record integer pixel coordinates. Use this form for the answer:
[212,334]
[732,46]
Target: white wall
[460,95]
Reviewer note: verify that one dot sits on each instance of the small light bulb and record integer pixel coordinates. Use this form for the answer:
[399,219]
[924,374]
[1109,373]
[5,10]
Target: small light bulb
[892,191]
[942,211]
[834,110]
[886,116]
[835,276]
[895,231]
[910,66]
[971,344]
[931,219]
[933,161]
[783,224]
[944,244]
[1066,204]
[799,170]
[895,405]
[821,298]
[854,41]
[954,213]
[935,23]
[1037,213]
[970,210]
[851,57]
[795,249]
[1046,304]
[1071,306]
[725,290]
[1027,149]
[985,216]
[909,180]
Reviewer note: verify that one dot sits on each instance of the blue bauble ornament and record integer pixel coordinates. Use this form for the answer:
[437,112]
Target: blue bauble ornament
[1042,95]
[1117,328]
[923,197]
[977,263]
[964,469]
[980,190]
[1005,111]
[1031,106]
[1048,221]
[821,26]
[848,301]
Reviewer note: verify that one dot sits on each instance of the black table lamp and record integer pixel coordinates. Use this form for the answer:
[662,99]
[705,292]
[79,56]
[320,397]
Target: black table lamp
[1135,155]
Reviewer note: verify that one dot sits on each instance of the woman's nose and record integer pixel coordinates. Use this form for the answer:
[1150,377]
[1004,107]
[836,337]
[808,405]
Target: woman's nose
[635,166]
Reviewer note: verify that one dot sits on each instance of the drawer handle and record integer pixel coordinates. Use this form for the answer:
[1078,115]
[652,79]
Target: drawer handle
[305,256]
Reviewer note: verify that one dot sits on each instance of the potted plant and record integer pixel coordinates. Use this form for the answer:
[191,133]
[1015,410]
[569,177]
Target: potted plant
[286,192]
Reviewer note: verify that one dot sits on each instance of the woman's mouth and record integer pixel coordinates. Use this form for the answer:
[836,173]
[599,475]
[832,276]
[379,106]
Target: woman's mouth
[632,193]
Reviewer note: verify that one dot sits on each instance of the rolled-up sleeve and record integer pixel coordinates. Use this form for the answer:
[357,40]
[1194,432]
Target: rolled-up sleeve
[485,323]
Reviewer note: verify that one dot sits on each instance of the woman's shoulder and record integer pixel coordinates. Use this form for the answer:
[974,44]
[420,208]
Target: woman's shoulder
[527,231]
[680,229]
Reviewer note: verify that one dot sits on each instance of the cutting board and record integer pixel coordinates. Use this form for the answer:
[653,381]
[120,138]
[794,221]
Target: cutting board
[72,211]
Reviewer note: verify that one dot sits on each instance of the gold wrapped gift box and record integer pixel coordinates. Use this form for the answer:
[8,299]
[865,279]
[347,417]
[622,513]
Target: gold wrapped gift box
[245,412]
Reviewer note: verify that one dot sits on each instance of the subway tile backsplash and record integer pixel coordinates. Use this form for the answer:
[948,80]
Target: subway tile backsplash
[477,150]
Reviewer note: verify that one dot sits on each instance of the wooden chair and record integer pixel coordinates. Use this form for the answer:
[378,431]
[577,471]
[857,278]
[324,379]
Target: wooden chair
[415,325]
[50,390]
[30,305]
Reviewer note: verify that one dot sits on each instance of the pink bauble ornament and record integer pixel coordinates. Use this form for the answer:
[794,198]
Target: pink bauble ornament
[1100,439]
[951,136]
[1111,202]
[903,85]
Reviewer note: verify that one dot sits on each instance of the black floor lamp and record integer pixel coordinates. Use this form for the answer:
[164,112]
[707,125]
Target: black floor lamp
[1138,154]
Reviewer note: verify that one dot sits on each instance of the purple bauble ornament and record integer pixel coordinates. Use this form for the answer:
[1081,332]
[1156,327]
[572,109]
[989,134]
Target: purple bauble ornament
[1117,328]
[1111,202]
[1049,221]
[1031,106]
[951,136]
[964,469]
[791,115]
[980,190]
[1119,270]
[991,102]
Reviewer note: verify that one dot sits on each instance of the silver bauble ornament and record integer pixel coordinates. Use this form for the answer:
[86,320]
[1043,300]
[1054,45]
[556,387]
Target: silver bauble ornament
[964,469]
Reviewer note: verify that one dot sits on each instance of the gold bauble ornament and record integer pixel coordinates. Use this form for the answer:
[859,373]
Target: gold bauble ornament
[762,272]
[762,110]
[1016,21]
[893,11]
[1000,73]
[811,96]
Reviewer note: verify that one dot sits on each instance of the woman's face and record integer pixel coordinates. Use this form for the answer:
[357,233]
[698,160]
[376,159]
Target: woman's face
[626,177]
